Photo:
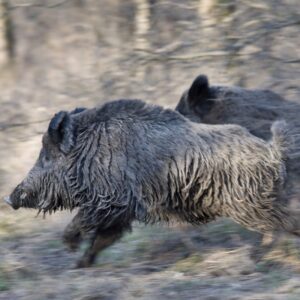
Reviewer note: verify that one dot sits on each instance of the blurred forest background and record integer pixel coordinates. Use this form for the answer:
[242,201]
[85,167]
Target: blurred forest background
[60,54]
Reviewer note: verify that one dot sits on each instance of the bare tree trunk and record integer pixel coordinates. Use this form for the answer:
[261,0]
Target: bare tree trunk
[6,35]
[142,26]
[205,9]
[3,46]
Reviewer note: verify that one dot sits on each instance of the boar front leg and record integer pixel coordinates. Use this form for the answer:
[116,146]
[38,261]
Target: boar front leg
[101,240]
[72,235]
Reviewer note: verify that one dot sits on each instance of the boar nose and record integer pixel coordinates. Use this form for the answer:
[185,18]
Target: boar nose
[9,202]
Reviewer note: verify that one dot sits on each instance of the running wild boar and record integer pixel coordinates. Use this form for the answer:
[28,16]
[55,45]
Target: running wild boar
[128,160]
[254,109]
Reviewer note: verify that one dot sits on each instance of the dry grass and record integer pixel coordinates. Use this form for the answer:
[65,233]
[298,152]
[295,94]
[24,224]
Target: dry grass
[151,262]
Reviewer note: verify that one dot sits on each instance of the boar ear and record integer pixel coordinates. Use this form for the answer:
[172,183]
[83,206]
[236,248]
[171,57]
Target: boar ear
[77,110]
[60,131]
[199,91]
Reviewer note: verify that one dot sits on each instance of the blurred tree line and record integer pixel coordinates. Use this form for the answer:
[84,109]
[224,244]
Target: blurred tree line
[58,54]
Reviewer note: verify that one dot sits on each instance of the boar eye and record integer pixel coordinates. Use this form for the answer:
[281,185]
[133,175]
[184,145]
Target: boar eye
[43,158]
[46,157]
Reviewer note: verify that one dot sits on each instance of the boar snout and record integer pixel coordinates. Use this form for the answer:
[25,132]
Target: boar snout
[7,199]
[20,197]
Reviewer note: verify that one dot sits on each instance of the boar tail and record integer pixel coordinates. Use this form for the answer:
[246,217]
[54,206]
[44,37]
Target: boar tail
[285,140]
[291,221]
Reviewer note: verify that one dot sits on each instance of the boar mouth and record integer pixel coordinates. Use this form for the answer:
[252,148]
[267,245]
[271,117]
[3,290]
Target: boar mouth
[9,202]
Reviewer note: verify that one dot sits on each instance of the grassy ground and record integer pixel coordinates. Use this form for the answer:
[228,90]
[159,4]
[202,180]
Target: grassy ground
[210,262]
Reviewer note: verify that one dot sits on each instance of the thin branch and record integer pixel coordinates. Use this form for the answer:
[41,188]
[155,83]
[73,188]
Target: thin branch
[38,5]
[208,54]
[13,125]
[282,60]
[170,3]
[287,24]
[292,61]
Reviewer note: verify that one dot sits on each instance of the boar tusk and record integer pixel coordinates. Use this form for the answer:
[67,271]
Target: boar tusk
[7,200]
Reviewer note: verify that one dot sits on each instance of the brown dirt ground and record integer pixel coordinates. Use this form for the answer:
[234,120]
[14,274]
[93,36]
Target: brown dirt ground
[149,263]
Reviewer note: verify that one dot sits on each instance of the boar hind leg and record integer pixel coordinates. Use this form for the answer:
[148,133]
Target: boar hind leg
[264,245]
[273,224]
[101,240]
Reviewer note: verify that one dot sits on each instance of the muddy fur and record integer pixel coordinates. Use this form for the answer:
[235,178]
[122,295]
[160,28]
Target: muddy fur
[128,161]
[254,109]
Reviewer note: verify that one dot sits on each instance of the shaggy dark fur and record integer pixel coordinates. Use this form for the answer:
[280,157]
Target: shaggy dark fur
[129,161]
[254,109]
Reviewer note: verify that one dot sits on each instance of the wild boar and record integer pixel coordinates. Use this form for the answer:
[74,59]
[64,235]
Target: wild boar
[128,160]
[254,109]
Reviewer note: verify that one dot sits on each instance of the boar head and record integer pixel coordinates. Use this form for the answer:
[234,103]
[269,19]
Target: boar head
[46,186]
[254,109]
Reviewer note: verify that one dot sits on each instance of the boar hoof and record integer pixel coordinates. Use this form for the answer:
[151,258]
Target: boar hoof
[83,263]
[257,255]
[72,241]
